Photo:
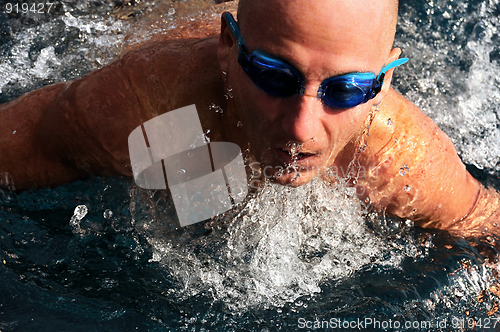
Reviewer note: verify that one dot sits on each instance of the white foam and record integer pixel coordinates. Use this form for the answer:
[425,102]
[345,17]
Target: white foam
[41,67]
[283,245]
[99,42]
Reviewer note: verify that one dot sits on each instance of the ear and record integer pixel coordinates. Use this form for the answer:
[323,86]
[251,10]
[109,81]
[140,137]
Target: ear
[393,55]
[226,42]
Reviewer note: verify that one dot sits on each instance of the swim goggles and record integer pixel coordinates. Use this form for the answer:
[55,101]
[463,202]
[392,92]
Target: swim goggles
[280,79]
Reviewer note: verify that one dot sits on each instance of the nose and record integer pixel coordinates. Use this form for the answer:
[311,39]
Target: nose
[302,120]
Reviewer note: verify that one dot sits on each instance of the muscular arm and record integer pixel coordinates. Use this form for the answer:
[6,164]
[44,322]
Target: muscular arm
[68,130]
[413,171]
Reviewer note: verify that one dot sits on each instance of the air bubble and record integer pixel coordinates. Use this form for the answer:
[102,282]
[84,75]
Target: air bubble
[216,108]
[239,124]
[182,171]
[108,214]
[389,122]
[407,188]
[171,11]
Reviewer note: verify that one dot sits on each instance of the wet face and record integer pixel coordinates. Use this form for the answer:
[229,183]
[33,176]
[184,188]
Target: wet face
[299,134]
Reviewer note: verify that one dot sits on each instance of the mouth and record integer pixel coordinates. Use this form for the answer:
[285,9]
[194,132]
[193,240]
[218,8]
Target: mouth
[302,158]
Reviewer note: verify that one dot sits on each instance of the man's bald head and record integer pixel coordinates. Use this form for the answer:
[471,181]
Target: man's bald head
[319,39]
[375,20]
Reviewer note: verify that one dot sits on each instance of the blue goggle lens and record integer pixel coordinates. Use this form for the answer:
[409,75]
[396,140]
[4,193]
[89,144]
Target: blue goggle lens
[279,83]
[343,95]
[271,74]
[348,90]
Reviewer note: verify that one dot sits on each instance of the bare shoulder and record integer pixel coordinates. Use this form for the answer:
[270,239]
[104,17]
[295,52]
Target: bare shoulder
[398,117]
[414,170]
[103,107]
[402,127]
[172,73]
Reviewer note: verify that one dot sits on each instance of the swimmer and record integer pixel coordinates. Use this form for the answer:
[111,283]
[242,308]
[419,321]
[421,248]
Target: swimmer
[403,163]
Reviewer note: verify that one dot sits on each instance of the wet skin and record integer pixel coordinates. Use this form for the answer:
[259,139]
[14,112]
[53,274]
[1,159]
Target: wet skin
[69,130]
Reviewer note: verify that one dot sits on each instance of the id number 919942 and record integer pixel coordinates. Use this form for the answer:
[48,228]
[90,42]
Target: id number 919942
[24,8]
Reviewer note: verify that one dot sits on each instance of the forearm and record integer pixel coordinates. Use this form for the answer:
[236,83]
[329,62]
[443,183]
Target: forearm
[484,216]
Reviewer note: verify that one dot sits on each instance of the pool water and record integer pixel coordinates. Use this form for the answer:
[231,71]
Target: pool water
[103,255]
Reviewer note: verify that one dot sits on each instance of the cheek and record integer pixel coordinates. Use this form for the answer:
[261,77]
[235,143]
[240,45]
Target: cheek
[350,123]
[253,106]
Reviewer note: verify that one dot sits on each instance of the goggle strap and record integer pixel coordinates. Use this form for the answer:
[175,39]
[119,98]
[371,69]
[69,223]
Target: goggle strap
[391,65]
[235,30]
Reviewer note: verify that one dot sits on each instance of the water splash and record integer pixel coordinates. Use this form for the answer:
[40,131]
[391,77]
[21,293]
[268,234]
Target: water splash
[283,244]
[453,72]
[66,45]
[79,213]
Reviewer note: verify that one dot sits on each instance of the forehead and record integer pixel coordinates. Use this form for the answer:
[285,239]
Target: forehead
[334,35]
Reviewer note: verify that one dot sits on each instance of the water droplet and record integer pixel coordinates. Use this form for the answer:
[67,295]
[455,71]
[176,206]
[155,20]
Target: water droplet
[108,214]
[80,212]
[14,132]
[239,124]
[407,188]
[229,92]
[182,171]
[171,11]
[216,108]
[396,141]
[207,131]
[192,146]
[367,200]
[389,122]
[404,169]
[190,154]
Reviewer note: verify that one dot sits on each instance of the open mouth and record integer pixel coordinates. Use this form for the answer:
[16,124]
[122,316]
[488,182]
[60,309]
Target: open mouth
[288,157]
[297,155]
